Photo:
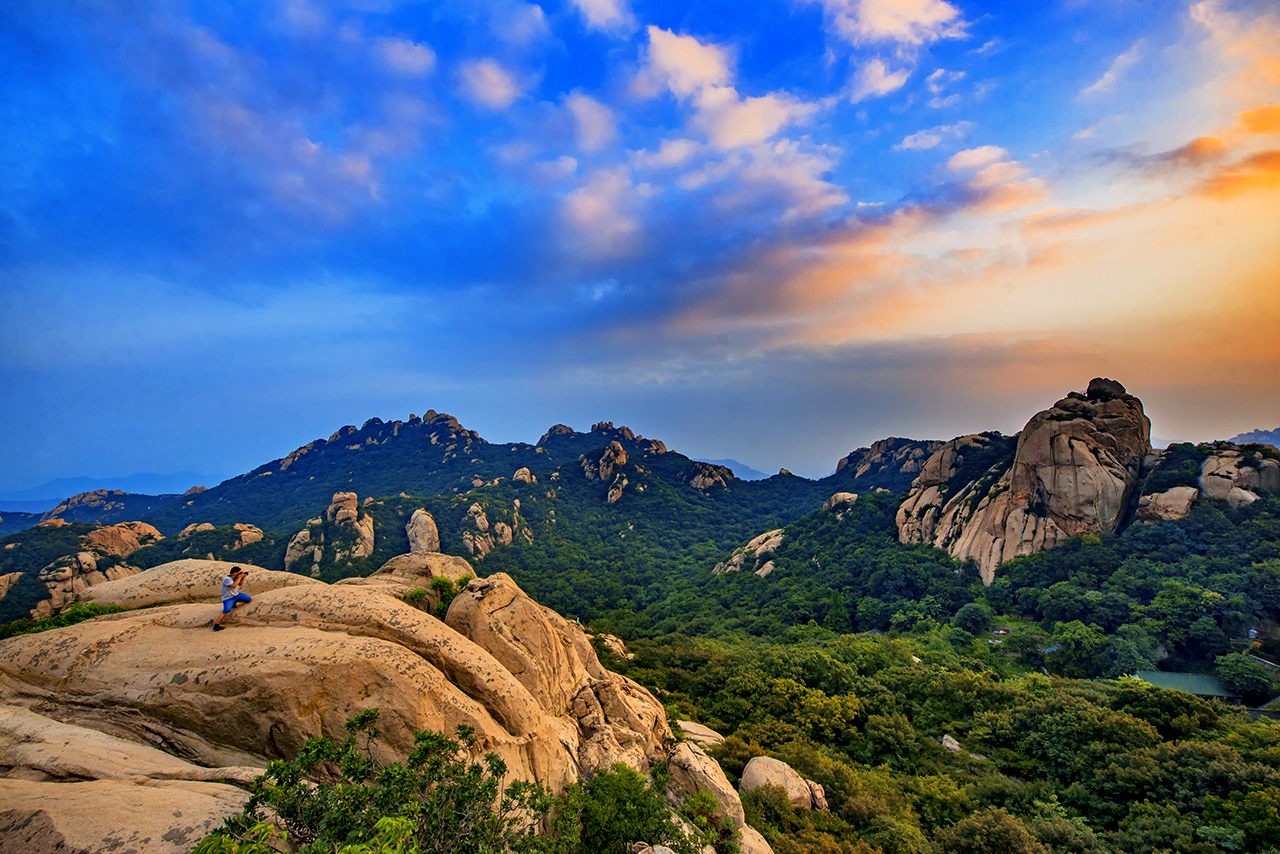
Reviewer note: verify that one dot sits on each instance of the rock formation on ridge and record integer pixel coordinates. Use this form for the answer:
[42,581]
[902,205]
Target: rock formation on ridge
[1074,470]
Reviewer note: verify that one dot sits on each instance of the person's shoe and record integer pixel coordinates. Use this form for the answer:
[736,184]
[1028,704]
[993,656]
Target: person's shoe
[218,628]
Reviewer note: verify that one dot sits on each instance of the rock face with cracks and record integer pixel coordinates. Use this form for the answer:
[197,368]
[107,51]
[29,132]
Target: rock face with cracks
[295,663]
[1073,472]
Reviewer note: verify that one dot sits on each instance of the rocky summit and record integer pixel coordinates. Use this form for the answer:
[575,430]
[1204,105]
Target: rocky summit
[1073,471]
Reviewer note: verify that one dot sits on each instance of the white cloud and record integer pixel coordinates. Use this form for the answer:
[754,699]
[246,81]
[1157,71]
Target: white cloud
[700,74]
[930,138]
[940,79]
[798,172]
[730,122]
[518,22]
[942,103]
[608,15]
[487,83]
[972,158]
[905,22]
[1118,66]
[998,173]
[672,152]
[595,123]
[406,56]
[600,213]
[1093,128]
[681,64]
[875,79]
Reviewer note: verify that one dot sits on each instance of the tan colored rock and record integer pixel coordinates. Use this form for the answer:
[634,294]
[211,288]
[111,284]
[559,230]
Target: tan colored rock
[501,534]
[1074,469]
[692,770]
[751,555]
[818,794]
[1173,503]
[552,658]
[892,454]
[40,747]
[301,547]
[839,499]
[194,527]
[187,580]
[423,534]
[703,736]
[616,489]
[477,514]
[110,815]
[343,508]
[1237,497]
[949,743]
[614,644]
[601,467]
[766,771]
[248,534]
[123,539]
[752,842]
[523,475]
[7,581]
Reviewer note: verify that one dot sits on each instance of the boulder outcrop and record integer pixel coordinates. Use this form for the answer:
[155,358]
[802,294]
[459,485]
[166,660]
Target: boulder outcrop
[186,581]
[344,513]
[703,736]
[766,771]
[1173,503]
[752,555]
[304,656]
[704,476]
[889,461]
[1073,471]
[618,720]
[839,500]
[601,467]
[423,534]
[68,577]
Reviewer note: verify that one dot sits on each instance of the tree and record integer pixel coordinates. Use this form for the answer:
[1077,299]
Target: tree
[837,619]
[452,804]
[992,831]
[973,618]
[1077,651]
[1246,677]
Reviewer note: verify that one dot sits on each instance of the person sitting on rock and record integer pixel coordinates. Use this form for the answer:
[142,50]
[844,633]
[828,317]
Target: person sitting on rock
[231,595]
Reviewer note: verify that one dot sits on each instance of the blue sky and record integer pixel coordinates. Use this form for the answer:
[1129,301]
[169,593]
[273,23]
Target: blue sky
[772,231]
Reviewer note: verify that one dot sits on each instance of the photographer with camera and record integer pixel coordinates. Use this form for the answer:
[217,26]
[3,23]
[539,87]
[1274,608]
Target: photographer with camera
[231,595]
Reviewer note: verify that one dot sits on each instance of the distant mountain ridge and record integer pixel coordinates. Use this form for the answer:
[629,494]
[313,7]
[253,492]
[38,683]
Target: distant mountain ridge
[742,471]
[1264,437]
[141,483]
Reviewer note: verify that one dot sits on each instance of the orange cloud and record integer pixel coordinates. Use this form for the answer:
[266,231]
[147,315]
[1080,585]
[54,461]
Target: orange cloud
[1260,171]
[1263,120]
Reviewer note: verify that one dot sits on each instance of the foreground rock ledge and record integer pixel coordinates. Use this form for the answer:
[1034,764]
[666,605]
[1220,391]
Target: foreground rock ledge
[295,663]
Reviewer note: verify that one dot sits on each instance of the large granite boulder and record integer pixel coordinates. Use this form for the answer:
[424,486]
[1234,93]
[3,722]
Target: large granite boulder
[1073,472]
[424,536]
[692,770]
[186,580]
[1174,503]
[70,788]
[766,771]
[553,659]
[302,658]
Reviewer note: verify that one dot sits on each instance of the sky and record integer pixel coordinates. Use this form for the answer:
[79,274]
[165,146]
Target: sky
[771,231]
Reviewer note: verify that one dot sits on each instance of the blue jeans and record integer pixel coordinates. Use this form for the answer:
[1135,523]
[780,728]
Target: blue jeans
[228,604]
